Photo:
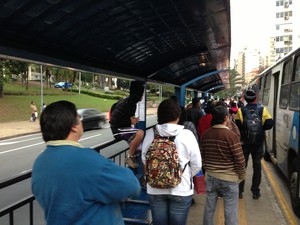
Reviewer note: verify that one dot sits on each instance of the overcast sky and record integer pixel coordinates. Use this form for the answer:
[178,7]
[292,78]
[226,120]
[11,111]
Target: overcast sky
[252,24]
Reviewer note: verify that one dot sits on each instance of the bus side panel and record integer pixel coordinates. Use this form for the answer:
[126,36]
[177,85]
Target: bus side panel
[284,128]
[294,138]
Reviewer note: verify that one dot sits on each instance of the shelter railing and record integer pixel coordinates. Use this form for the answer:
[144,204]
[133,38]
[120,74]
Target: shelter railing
[118,157]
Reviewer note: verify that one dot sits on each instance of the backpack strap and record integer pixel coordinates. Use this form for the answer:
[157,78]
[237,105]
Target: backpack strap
[259,110]
[191,178]
[245,113]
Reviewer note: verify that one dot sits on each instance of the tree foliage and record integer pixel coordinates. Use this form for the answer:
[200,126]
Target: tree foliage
[234,80]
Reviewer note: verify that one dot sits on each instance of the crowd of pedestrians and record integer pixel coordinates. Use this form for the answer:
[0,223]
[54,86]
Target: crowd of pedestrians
[212,137]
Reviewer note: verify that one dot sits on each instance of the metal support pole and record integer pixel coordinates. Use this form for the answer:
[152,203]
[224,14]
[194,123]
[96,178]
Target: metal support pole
[42,88]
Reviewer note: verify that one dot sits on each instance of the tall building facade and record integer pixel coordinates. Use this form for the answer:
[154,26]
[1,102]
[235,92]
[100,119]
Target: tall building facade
[284,38]
[249,62]
[271,57]
[240,66]
[287,23]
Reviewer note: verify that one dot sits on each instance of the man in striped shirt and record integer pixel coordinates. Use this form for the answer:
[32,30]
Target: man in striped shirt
[224,164]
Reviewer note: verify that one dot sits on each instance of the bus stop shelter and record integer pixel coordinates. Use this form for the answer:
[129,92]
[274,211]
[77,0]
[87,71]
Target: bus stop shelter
[185,43]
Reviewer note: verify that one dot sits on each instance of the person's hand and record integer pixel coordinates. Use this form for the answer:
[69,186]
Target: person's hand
[243,177]
[134,120]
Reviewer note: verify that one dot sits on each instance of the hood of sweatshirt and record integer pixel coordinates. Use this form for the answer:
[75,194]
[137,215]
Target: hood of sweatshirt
[169,129]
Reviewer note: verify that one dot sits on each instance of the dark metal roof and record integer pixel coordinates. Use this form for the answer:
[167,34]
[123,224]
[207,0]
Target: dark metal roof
[172,41]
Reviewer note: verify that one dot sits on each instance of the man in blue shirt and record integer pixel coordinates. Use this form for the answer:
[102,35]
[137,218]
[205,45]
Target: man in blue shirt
[73,184]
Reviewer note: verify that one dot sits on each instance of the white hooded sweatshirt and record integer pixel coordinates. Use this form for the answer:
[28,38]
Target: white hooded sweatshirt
[188,151]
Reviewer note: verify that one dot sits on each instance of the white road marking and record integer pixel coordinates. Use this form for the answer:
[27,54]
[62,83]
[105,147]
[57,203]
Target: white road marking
[20,148]
[27,146]
[82,139]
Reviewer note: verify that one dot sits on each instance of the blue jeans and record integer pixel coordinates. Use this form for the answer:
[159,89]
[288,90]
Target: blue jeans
[170,209]
[230,192]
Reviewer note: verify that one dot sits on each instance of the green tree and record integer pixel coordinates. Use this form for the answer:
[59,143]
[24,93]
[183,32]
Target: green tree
[234,79]
[20,68]
[4,70]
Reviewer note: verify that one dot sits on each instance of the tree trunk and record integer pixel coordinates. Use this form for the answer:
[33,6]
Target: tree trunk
[27,82]
[1,86]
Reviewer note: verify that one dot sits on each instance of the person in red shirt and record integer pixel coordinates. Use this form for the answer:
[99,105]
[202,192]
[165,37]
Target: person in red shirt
[205,121]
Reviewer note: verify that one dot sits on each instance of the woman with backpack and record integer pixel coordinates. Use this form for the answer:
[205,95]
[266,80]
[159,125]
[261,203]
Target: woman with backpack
[172,157]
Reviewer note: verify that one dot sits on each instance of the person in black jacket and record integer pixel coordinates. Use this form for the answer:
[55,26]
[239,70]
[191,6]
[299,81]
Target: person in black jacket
[195,113]
[122,119]
[240,103]
[251,146]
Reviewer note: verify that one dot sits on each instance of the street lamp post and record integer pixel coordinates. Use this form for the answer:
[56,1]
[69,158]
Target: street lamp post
[42,88]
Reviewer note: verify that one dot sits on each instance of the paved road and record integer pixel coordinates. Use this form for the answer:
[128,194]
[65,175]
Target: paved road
[12,129]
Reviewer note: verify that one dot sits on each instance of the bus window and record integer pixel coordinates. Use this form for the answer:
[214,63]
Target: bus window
[295,96]
[287,72]
[267,85]
[285,85]
[295,89]
[261,89]
[297,70]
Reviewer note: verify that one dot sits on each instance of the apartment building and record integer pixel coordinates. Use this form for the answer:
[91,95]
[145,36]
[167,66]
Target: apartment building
[287,23]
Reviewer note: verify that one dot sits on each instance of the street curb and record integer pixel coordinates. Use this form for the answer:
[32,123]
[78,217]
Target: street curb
[19,135]
[287,211]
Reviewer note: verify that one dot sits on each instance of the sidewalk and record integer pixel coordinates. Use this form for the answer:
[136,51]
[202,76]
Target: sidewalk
[14,129]
[264,211]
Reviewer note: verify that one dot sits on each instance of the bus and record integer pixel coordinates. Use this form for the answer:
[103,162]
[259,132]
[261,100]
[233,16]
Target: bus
[279,91]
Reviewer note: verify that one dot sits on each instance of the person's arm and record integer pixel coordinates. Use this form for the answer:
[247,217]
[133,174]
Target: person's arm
[146,143]
[116,183]
[239,119]
[233,127]
[267,120]
[238,156]
[195,156]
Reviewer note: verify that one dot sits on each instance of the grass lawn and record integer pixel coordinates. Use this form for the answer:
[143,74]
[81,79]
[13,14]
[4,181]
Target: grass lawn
[17,107]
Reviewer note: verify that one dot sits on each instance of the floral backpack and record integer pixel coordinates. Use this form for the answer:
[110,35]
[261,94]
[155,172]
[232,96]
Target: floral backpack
[162,163]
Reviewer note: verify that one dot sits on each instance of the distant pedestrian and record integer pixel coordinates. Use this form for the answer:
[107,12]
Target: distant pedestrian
[240,103]
[205,121]
[43,107]
[34,112]
[189,125]
[195,113]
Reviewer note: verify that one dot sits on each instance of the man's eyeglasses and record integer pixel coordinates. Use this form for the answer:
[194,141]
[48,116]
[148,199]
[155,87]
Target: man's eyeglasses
[79,118]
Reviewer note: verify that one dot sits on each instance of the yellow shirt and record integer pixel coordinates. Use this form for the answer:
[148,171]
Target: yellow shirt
[265,115]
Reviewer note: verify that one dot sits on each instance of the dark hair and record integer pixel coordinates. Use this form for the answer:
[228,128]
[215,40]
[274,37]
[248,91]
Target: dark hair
[195,101]
[168,110]
[174,98]
[57,120]
[137,89]
[219,114]
[233,104]
[183,115]
[209,107]
[221,103]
